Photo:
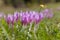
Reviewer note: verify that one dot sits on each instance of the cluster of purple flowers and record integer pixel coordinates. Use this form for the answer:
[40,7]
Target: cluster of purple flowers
[27,16]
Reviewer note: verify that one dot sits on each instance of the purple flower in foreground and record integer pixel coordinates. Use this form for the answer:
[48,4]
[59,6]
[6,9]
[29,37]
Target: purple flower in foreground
[24,18]
[16,16]
[32,16]
[10,19]
[29,17]
[37,18]
[41,15]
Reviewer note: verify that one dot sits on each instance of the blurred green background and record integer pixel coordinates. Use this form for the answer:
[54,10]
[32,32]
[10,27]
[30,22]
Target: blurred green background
[24,3]
[16,3]
[8,6]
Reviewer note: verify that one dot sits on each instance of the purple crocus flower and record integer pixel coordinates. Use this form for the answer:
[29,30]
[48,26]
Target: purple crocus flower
[45,12]
[32,16]
[41,15]
[23,18]
[48,13]
[10,19]
[38,17]
[35,16]
[16,16]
